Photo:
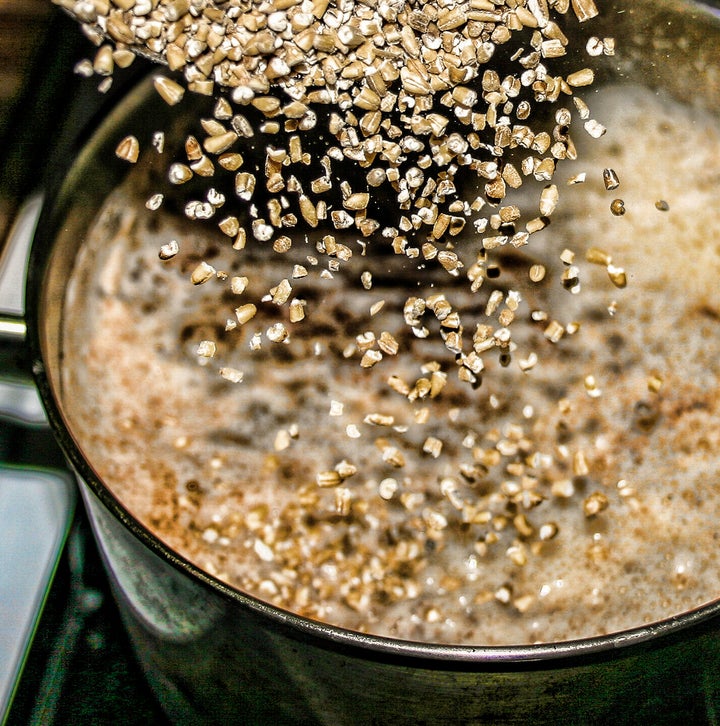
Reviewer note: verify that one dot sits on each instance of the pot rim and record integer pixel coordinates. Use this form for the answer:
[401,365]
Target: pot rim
[551,654]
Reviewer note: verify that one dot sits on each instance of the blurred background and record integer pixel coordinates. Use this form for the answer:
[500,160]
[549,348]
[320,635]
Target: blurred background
[24,25]
[78,668]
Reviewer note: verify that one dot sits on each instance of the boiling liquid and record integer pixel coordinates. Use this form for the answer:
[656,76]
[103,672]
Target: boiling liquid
[625,408]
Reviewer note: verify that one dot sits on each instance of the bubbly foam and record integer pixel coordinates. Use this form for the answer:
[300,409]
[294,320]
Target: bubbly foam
[626,408]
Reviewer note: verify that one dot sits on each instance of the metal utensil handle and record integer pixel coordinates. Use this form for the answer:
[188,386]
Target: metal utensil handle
[19,399]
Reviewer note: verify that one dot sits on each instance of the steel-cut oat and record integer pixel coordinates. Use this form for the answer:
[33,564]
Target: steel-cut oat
[423,103]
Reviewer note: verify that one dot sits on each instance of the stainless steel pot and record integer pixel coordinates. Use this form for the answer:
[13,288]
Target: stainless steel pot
[216,655]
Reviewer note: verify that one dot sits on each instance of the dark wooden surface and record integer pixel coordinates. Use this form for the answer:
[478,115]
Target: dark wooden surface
[23,28]
[23,25]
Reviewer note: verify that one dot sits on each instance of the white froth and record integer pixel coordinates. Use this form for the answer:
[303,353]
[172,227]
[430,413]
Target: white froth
[195,455]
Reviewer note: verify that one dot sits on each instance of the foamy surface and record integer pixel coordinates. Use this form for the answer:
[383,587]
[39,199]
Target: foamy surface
[225,473]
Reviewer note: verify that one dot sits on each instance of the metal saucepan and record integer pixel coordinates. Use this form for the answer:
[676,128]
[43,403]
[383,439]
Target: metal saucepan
[216,655]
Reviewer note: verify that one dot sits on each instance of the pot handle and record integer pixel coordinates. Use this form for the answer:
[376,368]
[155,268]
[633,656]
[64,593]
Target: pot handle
[19,400]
